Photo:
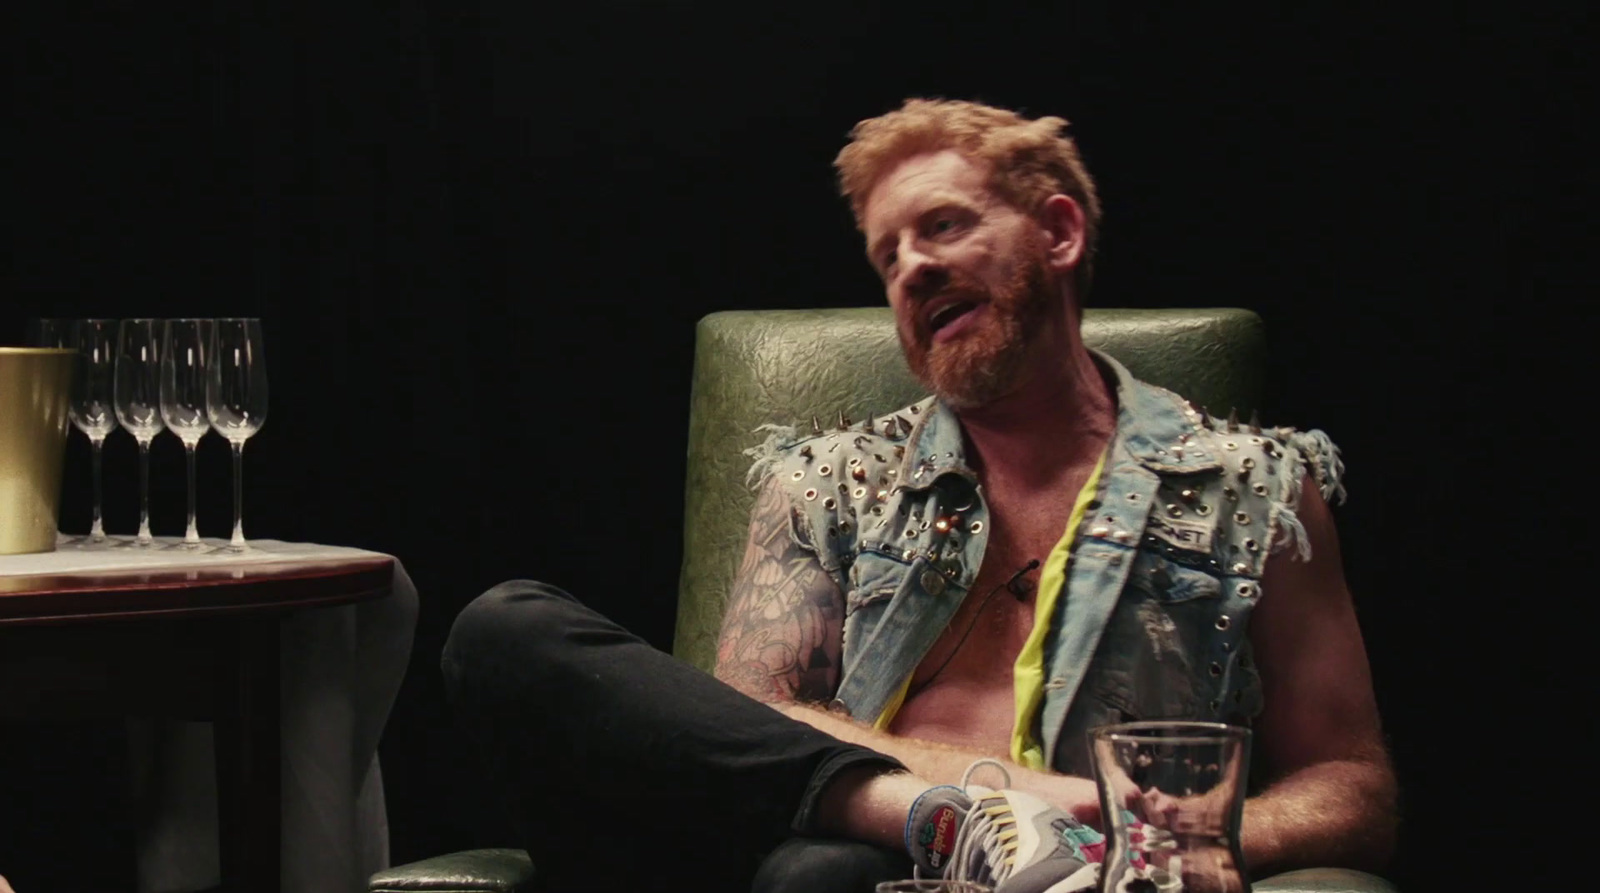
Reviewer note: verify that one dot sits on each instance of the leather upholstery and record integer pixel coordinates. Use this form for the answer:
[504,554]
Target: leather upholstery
[785,366]
[1324,880]
[472,871]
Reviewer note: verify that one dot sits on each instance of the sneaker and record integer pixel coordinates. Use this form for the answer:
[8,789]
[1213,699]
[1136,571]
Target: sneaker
[1010,840]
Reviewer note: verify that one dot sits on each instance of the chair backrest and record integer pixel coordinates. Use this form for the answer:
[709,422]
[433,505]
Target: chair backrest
[786,366]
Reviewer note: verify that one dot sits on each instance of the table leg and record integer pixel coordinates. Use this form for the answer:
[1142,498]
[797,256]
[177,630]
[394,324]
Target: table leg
[247,748]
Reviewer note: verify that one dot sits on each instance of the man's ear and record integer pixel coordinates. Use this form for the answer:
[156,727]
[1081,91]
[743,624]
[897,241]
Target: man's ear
[1061,224]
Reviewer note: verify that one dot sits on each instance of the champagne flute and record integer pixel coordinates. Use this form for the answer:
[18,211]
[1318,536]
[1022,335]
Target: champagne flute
[92,398]
[186,345]
[236,398]
[138,402]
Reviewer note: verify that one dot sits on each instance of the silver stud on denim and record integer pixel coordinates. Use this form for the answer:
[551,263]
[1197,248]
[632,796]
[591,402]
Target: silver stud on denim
[877,510]
[911,533]
[975,527]
[1239,567]
[1230,494]
[829,503]
[1246,590]
[824,469]
[1189,496]
[1099,530]
[1252,546]
[1216,668]
[1259,488]
[858,473]
[1174,509]
[797,475]
[1121,536]
[1202,509]
[1241,517]
[845,526]
[1247,463]
[811,494]
[1133,497]
[1230,445]
[1223,622]
[932,582]
[859,493]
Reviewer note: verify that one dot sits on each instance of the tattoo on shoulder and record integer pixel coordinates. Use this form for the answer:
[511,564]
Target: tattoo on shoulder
[782,634]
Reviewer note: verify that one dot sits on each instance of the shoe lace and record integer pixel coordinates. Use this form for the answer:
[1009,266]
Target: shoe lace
[986,844]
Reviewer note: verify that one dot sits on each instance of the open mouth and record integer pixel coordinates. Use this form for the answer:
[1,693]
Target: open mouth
[948,315]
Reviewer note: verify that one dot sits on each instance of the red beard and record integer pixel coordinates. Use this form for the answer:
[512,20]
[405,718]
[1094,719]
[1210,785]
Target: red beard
[987,361]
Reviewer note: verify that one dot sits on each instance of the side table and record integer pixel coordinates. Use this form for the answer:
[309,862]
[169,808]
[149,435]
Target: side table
[195,640]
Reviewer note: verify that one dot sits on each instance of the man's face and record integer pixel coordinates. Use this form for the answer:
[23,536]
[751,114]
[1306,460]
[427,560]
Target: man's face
[966,274]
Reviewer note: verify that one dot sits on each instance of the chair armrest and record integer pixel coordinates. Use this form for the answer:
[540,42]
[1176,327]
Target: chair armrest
[1323,880]
[471,871]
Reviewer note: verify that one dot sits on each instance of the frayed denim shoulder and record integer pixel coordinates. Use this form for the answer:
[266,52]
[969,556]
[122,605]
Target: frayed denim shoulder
[1308,452]
[768,455]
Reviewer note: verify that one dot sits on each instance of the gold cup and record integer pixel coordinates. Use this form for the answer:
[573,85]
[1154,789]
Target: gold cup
[35,390]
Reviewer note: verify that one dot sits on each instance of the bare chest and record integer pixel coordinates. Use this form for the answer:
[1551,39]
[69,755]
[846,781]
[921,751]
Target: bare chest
[963,692]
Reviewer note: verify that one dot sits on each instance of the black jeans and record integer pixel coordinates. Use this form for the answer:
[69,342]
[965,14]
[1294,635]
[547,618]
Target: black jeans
[628,769]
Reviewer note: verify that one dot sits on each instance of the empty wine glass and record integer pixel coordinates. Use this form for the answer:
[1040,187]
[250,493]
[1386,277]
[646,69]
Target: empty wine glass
[138,401]
[93,393]
[186,343]
[236,398]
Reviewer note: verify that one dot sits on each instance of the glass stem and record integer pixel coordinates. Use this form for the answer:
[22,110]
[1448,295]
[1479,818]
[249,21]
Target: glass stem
[97,533]
[238,496]
[192,533]
[144,538]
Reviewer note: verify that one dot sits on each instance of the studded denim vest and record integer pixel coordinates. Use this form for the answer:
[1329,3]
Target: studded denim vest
[1164,572]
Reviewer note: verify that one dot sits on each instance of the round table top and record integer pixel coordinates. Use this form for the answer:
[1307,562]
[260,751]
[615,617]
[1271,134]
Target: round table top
[186,592]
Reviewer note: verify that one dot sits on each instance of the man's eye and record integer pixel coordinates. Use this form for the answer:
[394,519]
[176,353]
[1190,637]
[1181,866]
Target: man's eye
[888,262]
[943,224]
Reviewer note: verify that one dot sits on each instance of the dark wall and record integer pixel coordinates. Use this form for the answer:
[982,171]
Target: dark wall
[479,237]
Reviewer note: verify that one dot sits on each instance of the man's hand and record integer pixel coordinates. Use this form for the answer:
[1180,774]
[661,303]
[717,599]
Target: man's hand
[5,887]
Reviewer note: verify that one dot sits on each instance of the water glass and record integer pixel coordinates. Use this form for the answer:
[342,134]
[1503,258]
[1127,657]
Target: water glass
[1172,794]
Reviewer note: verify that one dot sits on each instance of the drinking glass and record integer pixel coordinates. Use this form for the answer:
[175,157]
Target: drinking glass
[236,398]
[1172,794]
[186,344]
[91,411]
[138,402]
[55,333]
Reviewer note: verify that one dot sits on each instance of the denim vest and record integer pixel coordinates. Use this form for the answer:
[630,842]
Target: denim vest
[1164,571]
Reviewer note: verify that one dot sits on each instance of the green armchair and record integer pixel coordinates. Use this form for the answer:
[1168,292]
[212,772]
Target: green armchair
[785,366]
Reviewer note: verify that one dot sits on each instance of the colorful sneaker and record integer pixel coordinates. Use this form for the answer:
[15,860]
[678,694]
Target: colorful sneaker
[1010,840]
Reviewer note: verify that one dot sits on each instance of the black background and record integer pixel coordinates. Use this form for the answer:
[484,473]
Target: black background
[479,237]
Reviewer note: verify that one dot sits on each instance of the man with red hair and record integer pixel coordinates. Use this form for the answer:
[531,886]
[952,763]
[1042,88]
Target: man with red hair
[1186,569]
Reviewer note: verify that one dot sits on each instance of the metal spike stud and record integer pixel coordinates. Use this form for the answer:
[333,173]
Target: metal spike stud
[844,422]
[806,451]
[905,424]
[816,427]
[1255,422]
[1233,420]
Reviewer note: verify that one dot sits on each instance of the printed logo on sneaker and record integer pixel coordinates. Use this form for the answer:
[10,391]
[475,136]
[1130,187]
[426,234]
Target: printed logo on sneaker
[938,836]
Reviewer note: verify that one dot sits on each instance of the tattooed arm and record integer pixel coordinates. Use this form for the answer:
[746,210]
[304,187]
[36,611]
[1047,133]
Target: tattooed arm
[783,631]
